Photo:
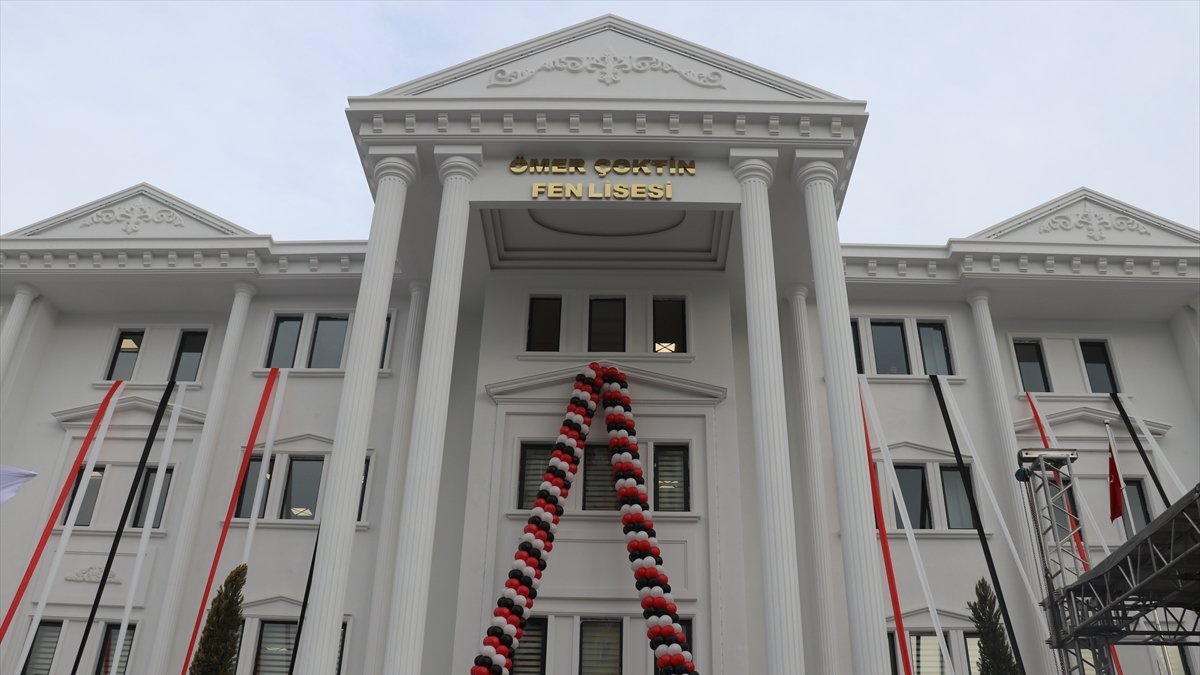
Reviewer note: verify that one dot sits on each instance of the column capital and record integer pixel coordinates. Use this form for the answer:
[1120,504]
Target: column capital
[798,291]
[26,289]
[751,163]
[979,297]
[417,286]
[458,160]
[244,288]
[394,161]
[814,171]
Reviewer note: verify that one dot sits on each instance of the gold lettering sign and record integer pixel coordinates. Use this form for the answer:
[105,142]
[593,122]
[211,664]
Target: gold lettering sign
[603,168]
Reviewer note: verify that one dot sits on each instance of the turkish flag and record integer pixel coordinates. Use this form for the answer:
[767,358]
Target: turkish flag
[1116,505]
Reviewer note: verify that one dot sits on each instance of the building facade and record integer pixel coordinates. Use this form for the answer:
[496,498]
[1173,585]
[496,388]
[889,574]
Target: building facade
[605,193]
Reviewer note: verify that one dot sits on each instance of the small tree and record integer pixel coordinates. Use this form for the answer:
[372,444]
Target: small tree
[218,649]
[995,658]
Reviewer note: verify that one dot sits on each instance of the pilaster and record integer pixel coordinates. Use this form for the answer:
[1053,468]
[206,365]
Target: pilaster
[754,170]
[860,550]
[318,651]
[457,167]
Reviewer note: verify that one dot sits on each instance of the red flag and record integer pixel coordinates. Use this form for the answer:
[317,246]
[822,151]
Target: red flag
[1116,505]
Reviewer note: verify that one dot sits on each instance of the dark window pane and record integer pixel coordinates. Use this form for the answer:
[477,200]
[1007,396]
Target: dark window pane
[670,326]
[362,490]
[90,492]
[41,654]
[530,657]
[109,651]
[1139,508]
[1099,367]
[599,647]
[915,491]
[535,457]
[125,354]
[858,359]
[284,338]
[143,500]
[671,487]
[891,352]
[329,340]
[250,485]
[958,508]
[598,491]
[276,640]
[935,348]
[1031,365]
[301,489]
[1065,510]
[187,357]
[606,325]
[545,317]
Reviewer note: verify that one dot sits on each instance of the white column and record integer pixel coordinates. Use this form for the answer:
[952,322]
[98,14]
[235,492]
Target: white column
[23,297]
[1001,413]
[318,648]
[754,170]
[827,654]
[860,547]
[165,645]
[457,167]
[379,632]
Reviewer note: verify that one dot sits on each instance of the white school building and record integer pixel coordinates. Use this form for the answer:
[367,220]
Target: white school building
[604,193]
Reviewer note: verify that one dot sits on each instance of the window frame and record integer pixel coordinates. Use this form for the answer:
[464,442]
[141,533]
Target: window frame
[920,346]
[304,341]
[62,625]
[863,343]
[653,447]
[272,504]
[562,305]
[619,621]
[1143,497]
[179,353]
[1111,363]
[115,630]
[143,494]
[114,350]
[687,321]
[1016,362]
[103,469]
[934,487]
[624,298]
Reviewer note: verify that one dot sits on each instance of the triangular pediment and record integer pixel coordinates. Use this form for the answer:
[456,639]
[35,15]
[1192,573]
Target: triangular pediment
[1085,422]
[140,212]
[1087,217]
[609,56]
[129,412]
[276,605]
[301,443]
[645,387]
[919,618]
[907,451]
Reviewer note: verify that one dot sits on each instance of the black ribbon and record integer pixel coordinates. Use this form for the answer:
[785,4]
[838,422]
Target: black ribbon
[983,542]
[112,552]
[1141,450]
[304,605]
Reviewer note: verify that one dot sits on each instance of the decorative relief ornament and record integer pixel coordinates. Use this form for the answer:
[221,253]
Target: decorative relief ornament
[609,67]
[1095,225]
[91,575]
[131,217]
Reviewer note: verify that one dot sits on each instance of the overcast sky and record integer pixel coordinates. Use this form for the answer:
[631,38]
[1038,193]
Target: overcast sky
[978,111]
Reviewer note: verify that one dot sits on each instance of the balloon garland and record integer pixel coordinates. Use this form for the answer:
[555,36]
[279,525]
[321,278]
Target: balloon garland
[594,385]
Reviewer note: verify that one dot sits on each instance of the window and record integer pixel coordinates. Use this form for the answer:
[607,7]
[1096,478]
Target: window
[143,500]
[606,325]
[858,355]
[110,652]
[671,484]
[670,326]
[955,485]
[545,318]
[301,488]
[915,491]
[250,485]
[598,491]
[41,654]
[1065,512]
[1098,366]
[328,341]
[125,354]
[1135,492]
[284,340]
[1031,365]
[535,457]
[296,495]
[276,640]
[972,654]
[924,651]
[187,356]
[891,349]
[935,348]
[530,658]
[600,647]
[90,492]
